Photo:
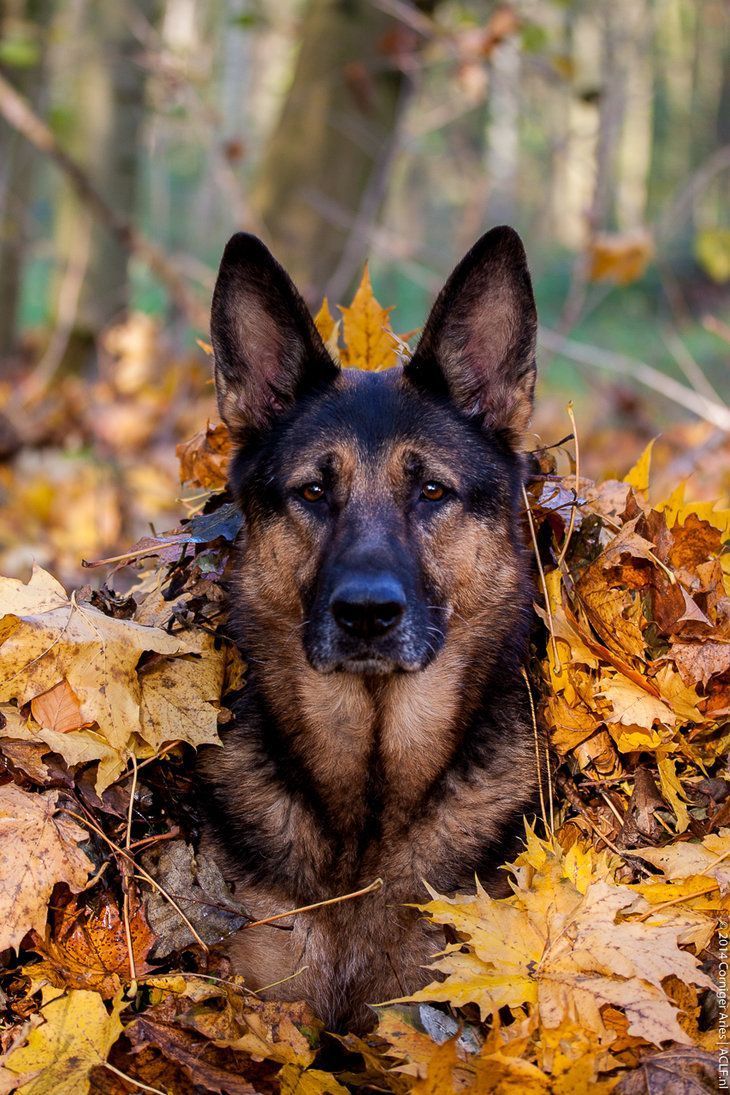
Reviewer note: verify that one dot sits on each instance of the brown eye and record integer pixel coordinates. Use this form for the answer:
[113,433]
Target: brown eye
[433,491]
[312,492]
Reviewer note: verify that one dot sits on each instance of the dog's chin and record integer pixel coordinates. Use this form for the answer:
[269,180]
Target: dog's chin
[366,664]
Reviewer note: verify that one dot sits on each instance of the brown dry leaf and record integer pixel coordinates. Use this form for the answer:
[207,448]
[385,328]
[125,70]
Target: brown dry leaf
[205,457]
[274,1031]
[679,1070]
[200,892]
[27,756]
[620,258]
[58,709]
[38,848]
[369,339]
[75,1036]
[698,662]
[87,948]
[614,613]
[189,1053]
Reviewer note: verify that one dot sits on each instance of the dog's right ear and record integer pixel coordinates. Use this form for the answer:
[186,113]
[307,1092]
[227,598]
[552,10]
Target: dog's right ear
[267,349]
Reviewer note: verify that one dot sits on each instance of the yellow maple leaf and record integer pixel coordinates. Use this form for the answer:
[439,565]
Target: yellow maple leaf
[76,1035]
[621,258]
[709,858]
[293,1080]
[369,340]
[324,321]
[566,953]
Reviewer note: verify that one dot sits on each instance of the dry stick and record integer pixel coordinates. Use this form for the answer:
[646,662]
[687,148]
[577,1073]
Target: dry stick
[18,113]
[131,1079]
[716,413]
[611,806]
[573,508]
[376,885]
[125,901]
[679,900]
[157,756]
[574,798]
[689,897]
[147,877]
[538,761]
[558,667]
[137,553]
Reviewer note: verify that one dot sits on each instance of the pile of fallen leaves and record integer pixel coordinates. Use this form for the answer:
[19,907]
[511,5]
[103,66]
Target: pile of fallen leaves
[597,974]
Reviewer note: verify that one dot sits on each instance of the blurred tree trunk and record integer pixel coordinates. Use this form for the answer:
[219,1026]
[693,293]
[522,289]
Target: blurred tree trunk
[26,22]
[324,171]
[92,284]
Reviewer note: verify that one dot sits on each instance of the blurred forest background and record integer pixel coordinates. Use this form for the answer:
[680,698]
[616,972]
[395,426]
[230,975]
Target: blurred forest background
[137,135]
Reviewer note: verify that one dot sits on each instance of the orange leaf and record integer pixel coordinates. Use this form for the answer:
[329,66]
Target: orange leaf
[370,342]
[58,709]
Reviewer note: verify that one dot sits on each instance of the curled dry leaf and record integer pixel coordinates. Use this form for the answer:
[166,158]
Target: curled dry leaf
[198,888]
[205,457]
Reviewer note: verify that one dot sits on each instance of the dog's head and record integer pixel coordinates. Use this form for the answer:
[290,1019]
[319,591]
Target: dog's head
[380,508]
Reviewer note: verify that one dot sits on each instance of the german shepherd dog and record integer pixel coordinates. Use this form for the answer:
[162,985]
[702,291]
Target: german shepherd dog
[381,597]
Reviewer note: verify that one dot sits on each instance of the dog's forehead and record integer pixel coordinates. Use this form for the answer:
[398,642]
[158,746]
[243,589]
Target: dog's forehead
[373,415]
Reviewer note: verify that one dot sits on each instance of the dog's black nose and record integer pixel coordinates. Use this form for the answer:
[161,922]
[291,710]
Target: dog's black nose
[368,607]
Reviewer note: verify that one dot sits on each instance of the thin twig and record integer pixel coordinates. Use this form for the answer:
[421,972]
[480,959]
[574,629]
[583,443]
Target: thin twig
[372,888]
[130,811]
[558,667]
[574,798]
[157,756]
[131,1080]
[538,759]
[573,509]
[275,984]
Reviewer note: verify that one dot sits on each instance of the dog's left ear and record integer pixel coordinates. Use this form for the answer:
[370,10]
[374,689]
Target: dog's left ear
[267,349]
[478,345]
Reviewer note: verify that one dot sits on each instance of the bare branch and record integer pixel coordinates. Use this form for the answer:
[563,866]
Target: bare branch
[708,409]
[18,113]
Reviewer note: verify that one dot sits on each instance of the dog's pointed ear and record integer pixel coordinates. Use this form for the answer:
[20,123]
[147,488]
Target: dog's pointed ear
[478,345]
[267,349]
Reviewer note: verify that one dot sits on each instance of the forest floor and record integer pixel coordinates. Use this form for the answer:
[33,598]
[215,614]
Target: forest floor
[599,973]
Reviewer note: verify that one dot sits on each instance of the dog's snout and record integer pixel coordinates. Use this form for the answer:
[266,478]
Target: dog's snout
[368,607]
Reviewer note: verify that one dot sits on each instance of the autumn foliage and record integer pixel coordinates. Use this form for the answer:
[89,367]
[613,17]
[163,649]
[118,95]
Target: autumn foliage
[598,973]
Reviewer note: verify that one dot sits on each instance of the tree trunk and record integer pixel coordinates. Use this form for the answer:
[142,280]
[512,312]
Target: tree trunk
[29,18]
[109,86]
[323,173]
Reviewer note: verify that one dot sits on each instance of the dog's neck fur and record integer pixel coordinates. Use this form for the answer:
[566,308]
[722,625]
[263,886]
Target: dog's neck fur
[341,727]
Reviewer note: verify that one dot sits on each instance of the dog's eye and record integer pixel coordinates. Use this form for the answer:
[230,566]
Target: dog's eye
[433,491]
[312,492]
